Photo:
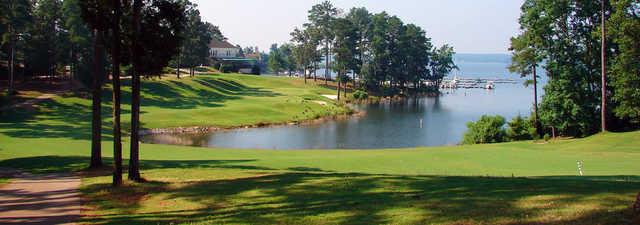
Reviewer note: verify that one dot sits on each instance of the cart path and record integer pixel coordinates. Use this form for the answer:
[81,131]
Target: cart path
[40,199]
[30,103]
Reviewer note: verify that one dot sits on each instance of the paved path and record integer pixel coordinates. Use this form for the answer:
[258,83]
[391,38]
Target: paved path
[40,199]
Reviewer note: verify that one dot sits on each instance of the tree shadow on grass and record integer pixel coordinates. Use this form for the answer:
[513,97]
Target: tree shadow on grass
[231,87]
[53,119]
[294,197]
[53,164]
[351,198]
[210,92]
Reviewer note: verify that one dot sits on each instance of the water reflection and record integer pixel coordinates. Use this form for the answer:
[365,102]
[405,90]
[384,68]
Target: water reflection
[394,124]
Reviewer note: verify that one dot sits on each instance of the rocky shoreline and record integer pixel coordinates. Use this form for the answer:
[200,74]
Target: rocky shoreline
[205,129]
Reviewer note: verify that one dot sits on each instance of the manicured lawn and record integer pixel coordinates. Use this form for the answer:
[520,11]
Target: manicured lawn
[511,183]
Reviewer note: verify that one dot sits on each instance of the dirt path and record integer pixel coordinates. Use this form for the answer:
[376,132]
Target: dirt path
[40,199]
[29,103]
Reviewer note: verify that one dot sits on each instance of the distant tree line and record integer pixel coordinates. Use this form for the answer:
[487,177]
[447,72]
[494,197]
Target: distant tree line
[376,52]
[87,38]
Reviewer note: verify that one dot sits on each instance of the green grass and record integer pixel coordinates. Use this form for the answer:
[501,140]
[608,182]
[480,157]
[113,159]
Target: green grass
[509,183]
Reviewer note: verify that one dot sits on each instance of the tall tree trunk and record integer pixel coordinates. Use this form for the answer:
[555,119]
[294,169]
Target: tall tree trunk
[354,80]
[344,93]
[304,73]
[603,112]
[536,118]
[326,62]
[96,121]
[10,91]
[72,64]
[338,79]
[134,153]
[315,72]
[115,79]
[178,67]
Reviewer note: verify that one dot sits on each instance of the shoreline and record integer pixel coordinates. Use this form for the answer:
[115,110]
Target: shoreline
[352,114]
[211,129]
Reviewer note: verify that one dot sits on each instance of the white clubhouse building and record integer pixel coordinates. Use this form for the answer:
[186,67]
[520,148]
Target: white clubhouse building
[223,50]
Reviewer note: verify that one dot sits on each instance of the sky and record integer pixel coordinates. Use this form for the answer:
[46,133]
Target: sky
[470,26]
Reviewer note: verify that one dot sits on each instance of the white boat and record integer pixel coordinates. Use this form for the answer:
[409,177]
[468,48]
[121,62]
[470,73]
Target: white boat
[454,82]
[489,85]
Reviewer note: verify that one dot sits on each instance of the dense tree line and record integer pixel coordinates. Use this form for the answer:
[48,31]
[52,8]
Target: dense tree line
[565,38]
[87,38]
[377,52]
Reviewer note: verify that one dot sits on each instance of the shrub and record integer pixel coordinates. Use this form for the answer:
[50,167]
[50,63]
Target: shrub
[255,70]
[202,69]
[168,70]
[226,68]
[521,128]
[360,95]
[546,137]
[489,129]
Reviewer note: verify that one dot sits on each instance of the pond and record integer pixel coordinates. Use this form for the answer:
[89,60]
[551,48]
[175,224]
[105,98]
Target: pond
[412,122]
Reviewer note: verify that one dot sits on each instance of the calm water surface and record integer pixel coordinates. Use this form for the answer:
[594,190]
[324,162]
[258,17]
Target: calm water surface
[423,121]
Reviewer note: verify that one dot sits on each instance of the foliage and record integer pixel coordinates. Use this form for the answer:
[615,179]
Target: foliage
[345,47]
[442,63]
[278,59]
[80,42]
[287,59]
[215,32]
[321,18]
[255,69]
[488,129]
[521,128]
[566,36]
[197,34]
[379,50]
[360,95]
[304,50]
[360,18]
[226,68]
[625,30]
[46,45]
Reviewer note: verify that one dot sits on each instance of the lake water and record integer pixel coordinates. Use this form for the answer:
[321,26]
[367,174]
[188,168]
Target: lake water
[413,122]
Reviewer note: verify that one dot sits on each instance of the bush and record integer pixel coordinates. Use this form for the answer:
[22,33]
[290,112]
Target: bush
[255,70]
[546,137]
[489,129]
[168,70]
[521,128]
[202,69]
[226,68]
[360,95]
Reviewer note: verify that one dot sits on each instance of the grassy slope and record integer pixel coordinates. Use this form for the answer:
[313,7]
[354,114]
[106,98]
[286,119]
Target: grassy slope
[231,100]
[405,186]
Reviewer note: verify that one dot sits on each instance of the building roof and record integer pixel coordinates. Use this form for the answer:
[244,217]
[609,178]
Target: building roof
[215,43]
[252,55]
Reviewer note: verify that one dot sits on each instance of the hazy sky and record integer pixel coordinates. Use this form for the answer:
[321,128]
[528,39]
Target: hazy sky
[471,26]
